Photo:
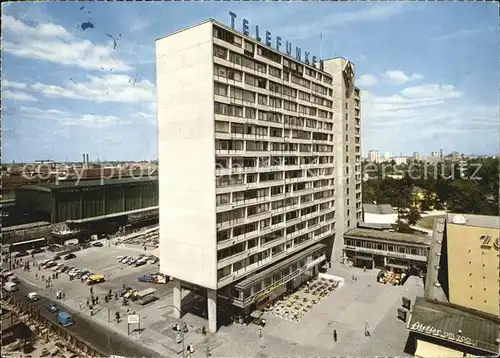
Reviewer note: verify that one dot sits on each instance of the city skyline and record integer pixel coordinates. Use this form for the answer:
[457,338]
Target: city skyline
[81,78]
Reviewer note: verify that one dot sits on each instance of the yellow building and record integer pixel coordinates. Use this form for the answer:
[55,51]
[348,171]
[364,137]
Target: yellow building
[459,315]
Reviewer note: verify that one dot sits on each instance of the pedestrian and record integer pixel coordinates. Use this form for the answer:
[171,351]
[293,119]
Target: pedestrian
[364,269]
[335,335]
[64,295]
[260,332]
[36,276]
[88,302]
[80,304]
[96,299]
[329,264]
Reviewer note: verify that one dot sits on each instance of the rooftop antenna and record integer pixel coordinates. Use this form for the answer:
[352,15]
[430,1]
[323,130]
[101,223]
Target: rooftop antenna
[321,45]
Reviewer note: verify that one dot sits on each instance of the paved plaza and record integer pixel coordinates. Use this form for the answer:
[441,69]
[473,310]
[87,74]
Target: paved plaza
[359,303]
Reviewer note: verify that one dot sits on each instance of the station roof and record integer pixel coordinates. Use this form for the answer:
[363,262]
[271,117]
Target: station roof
[437,319]
[388,236]
[49,187]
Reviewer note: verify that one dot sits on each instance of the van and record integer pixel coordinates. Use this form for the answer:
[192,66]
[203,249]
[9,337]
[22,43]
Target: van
[10,286]
[64,319]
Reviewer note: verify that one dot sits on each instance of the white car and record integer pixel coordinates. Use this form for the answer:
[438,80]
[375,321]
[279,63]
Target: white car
[32,296]
[124,260]
[119,258]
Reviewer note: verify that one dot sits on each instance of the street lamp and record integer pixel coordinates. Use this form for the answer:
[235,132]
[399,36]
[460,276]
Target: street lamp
[182,327]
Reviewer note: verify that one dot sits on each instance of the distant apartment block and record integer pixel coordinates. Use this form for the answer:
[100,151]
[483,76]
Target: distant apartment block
[374,156]
[260,162]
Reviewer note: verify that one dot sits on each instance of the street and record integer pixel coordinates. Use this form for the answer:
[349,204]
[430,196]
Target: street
[96,335]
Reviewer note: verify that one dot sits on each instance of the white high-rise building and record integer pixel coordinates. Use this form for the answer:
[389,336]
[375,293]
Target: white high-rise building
[387,156]
[259,162]
[374,156]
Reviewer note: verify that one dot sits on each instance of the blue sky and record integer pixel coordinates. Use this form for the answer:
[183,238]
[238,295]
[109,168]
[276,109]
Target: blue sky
[428,71]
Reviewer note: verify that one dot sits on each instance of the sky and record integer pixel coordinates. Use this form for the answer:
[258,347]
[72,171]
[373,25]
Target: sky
[428,71]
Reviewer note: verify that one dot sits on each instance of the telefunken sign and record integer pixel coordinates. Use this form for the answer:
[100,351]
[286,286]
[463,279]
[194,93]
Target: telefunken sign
[308,59]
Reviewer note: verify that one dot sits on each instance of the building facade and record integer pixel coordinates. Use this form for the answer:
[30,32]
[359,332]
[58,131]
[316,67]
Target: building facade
[380,249]
[262,153]
[459,312]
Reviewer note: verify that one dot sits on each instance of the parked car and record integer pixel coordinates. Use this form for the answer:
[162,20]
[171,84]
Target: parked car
[140,262]
[57,257]
[36,251]
[97,244]
[70,256]
[21,254]
[119,258]
[131,261]
[125,259]
[49,264]
[52,307]
[32,296]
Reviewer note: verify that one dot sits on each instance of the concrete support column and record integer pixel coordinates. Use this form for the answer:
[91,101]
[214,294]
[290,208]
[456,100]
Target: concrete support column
[177,299]
[212,310]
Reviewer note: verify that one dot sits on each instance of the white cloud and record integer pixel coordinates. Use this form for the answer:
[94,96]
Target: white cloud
[18,96]
[401,78]
[53,43]
[462,33]
[366,81]
[305,26]
[13,84]
[110,88]
[426,111]
[66,118]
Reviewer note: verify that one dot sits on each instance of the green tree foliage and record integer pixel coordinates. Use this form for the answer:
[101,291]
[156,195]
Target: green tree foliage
[473,188]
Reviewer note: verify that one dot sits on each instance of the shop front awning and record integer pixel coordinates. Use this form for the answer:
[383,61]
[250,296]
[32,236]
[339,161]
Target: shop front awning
[393,265]
[316,262]
[359,257]
[459,326]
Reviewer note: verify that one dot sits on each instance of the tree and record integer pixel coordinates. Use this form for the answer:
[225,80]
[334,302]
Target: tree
[413,215]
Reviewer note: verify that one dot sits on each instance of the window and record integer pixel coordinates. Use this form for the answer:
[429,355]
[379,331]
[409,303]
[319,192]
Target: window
[275,72]
[224,72]
[249,46]
[274,87]
[402,249]
[262,99]
[250,113]
[291,106]
[255,81]
[220,89]
[227,36]
[235,58]
[274,102]
[220,52]
[222,127]
[223,199]
[271,55]
[304,96]
[390,248]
